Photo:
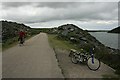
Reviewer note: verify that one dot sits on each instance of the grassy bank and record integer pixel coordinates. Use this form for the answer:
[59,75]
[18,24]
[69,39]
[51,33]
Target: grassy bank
[59,43]
[12,42]
[9,43]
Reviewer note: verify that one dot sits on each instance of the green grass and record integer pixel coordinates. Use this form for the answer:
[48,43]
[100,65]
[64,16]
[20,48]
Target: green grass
[12,42]
[60,43]
[9,43]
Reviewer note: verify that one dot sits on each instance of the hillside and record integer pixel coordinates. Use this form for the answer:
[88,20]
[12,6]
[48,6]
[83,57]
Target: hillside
[10,31]
[78,36]
[82,39]
[115,30]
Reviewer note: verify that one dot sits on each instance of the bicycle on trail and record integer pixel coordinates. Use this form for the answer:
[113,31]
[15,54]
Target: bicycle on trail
[85,57]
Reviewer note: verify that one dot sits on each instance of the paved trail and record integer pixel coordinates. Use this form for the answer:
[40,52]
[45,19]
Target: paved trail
[34,60]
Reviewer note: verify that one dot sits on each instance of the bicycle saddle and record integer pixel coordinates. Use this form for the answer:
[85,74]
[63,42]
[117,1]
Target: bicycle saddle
[73,50]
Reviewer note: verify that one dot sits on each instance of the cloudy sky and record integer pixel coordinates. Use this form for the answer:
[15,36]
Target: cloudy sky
[86,15]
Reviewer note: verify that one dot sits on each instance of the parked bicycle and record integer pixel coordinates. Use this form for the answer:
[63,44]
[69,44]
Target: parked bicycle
[84,57]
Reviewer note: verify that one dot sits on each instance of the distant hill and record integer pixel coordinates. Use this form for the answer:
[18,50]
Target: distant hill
[97,30]
[115,30]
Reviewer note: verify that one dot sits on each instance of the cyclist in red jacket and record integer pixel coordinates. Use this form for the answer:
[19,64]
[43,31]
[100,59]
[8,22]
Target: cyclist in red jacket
[21,36]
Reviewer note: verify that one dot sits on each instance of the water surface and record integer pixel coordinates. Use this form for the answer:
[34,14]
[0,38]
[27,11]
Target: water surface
[108,39]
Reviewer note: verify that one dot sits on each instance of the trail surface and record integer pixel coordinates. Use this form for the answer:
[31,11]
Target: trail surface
[36,59]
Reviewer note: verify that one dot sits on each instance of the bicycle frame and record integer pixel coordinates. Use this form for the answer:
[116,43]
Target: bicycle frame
[92,55]
[84,56]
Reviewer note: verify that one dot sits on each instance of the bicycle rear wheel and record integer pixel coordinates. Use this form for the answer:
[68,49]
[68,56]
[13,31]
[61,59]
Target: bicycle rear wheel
[93,64]
[74,60]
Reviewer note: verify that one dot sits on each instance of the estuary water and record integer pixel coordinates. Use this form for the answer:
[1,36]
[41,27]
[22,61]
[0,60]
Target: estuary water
[108,39]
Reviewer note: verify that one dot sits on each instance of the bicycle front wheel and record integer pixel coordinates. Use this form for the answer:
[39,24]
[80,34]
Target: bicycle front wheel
[93,64]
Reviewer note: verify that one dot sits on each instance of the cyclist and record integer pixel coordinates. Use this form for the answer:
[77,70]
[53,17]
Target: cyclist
[21,36]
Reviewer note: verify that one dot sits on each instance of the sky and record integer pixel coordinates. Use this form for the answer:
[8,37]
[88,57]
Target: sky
[86,15]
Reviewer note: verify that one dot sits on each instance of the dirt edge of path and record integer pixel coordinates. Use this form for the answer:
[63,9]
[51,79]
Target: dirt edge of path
[58,62]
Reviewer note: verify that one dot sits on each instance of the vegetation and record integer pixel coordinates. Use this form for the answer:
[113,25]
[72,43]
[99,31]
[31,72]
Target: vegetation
[11,29]
[60,43]
[10,32]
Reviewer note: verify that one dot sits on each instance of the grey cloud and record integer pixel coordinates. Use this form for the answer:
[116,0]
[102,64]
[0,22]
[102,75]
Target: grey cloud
[51,11]
[59,0]
[14,4]
[42,4]
[58,4]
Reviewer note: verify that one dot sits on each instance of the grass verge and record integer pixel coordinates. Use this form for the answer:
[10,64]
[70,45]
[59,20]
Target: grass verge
[12,42]
[59,43]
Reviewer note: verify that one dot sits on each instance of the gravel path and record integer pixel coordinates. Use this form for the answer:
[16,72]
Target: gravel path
[36,59]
